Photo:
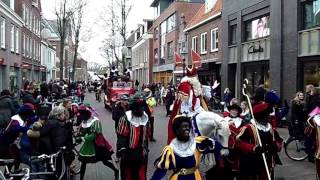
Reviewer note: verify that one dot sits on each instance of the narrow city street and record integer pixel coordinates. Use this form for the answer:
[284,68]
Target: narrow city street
[289,170]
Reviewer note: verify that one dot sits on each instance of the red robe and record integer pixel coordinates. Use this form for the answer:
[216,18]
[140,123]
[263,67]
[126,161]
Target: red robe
[251,163]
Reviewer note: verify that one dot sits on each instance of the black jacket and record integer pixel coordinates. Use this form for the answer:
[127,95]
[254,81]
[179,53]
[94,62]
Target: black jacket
[117,112]
[7,109]
[55,134]
[27,97]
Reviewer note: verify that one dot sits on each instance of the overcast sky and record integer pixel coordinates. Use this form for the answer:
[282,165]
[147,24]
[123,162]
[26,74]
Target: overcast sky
[95,8]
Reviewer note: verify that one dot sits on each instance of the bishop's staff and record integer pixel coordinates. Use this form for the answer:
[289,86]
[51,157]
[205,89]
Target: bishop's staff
[254,124]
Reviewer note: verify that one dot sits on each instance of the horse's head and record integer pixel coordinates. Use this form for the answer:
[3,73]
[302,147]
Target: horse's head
[222,135]
[214,126]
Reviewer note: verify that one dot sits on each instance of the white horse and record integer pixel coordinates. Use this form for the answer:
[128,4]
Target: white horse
[214,126]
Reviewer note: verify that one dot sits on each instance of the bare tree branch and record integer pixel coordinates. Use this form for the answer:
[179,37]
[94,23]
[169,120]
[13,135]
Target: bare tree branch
[76,24]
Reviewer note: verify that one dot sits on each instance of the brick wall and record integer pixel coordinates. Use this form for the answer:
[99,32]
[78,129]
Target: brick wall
[207,27]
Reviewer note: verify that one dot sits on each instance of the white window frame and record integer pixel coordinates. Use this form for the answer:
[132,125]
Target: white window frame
[23,44]
[12,38]
[203,45]
[3,33]
[17,44]
[214,40]
[23,11]
[194,43]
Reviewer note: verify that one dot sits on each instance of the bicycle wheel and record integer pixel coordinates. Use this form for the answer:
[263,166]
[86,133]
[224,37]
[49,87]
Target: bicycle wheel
[295,149]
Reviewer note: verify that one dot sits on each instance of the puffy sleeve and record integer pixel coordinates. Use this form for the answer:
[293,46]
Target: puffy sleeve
[123,127]
[243,140]
[164,163]
[95,129]
[204,144]
[123,134]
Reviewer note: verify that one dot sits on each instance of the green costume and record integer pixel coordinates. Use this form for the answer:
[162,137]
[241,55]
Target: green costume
[89,129]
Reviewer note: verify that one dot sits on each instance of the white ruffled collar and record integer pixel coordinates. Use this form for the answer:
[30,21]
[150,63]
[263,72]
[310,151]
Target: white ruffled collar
[236,121]
[264,128]
[18,118]
[183,149]
[89,122]
[316,119]
[137,121]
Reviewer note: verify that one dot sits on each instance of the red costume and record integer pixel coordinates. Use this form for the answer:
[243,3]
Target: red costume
[251,162]
[189,99]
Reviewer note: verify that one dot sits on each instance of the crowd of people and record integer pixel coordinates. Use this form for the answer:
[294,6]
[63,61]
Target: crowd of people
[28,127]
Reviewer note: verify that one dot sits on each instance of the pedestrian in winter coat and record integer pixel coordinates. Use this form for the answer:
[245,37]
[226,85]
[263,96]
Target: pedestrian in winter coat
[169,100]
[298,115]
[54,135]
[227,96]
[27,97]
[44,90]
[7,109]
[310,98]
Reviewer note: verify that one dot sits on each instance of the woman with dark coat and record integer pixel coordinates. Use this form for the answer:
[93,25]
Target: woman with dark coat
[298,114]
[55,134]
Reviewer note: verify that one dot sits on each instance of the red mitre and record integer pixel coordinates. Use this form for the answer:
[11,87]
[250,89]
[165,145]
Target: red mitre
[192,72]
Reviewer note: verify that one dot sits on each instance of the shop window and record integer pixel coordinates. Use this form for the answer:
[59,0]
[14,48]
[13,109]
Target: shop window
[257,28]
[194,43]
[214,40]
[203,43]
[17,44]
[163,28]
[310,14]
[170,50]
[171,23]
[311,72]
[257,76]
[233,35]
[12,36]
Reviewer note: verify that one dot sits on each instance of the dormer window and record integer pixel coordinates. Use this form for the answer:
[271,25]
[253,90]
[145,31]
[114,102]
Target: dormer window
[209,5]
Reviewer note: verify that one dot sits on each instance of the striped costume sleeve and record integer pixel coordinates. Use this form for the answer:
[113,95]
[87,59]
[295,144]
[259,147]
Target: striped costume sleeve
[167,159]
[123,127]
[204,144]
[164,163]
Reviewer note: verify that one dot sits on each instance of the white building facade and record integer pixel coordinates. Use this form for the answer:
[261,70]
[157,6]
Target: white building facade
[141,54]
[48,60]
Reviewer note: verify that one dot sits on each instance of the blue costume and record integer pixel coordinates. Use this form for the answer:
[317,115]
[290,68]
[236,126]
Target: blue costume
[183,158]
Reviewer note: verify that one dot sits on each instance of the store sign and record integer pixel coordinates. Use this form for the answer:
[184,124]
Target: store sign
[253,49]
[256,50]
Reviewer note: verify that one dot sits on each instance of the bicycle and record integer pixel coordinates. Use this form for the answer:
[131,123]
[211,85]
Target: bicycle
[294,146]
[25,174]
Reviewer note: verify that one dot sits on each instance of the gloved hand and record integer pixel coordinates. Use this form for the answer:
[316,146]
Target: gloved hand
[208,143]
[33,134]
[121,153]
[260,150]
[79,140]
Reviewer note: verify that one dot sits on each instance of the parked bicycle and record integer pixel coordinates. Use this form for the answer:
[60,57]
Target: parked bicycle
[294,146]
[49,162]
